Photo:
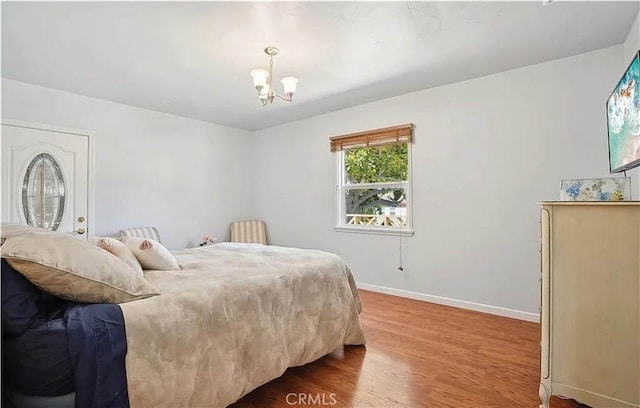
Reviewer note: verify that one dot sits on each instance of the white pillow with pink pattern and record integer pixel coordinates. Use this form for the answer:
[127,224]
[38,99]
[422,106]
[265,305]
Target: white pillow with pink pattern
[151,254]
[117,248]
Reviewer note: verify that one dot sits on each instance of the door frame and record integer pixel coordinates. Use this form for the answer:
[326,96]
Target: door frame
[91,170]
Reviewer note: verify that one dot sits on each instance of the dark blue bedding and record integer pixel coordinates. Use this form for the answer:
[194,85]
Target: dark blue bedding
[52,347]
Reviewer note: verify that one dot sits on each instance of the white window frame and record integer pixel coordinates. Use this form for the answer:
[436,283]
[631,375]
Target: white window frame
[341,186]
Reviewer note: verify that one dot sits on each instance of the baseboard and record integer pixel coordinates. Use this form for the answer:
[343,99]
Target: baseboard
[463,304]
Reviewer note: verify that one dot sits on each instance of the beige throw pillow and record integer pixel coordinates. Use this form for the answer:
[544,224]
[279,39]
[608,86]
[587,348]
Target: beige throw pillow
[151,254]
[73,269]
[118,249]
[12,228]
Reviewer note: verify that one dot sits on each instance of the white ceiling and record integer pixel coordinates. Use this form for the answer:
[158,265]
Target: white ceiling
[193,58]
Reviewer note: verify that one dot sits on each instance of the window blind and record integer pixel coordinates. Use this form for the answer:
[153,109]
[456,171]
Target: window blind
[376,137]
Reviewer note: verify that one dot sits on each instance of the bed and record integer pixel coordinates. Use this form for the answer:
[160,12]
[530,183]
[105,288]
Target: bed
[234,317]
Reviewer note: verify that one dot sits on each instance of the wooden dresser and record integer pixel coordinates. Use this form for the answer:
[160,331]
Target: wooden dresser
[590,307]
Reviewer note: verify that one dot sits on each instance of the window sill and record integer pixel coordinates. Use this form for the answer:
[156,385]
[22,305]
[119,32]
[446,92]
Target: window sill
[376,231]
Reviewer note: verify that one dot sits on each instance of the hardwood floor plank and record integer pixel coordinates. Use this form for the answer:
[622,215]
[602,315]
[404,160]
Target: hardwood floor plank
[419,354]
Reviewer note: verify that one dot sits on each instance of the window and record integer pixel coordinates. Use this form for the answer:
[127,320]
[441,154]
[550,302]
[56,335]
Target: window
[43,193]
[374,188]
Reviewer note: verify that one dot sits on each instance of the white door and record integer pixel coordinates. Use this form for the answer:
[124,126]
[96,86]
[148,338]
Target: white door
[46,178]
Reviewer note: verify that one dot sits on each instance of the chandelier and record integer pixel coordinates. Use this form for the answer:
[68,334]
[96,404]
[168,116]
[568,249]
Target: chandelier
[263,81]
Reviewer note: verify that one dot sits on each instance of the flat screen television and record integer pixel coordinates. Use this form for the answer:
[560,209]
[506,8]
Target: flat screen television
[623,120]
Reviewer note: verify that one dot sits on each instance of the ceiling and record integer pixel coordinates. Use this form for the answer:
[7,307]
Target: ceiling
[193,58]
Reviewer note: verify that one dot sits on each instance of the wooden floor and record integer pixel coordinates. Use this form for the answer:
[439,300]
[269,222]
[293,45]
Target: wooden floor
[419,354]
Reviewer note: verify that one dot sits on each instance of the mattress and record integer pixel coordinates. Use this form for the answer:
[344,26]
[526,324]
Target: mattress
[233,318]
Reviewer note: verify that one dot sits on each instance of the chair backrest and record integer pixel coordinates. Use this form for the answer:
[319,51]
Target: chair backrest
[142,232]
[249,232]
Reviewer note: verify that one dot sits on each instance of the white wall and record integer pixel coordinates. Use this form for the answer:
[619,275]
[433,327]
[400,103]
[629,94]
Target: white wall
[631,46]
[486,151]
[186,177]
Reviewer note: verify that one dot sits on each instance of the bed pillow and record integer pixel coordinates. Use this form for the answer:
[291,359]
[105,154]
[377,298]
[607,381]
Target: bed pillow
[151,254]
[73,269]
[11,228]
[118,249]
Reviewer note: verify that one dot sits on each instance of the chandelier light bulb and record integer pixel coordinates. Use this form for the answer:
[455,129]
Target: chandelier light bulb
[259,78]
[264,91]
[289,84]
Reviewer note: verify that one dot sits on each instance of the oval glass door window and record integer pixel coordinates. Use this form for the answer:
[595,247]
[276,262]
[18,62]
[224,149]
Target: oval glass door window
[43,193]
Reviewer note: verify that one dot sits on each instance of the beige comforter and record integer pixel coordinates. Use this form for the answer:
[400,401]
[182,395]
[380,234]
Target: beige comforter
[235,317]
